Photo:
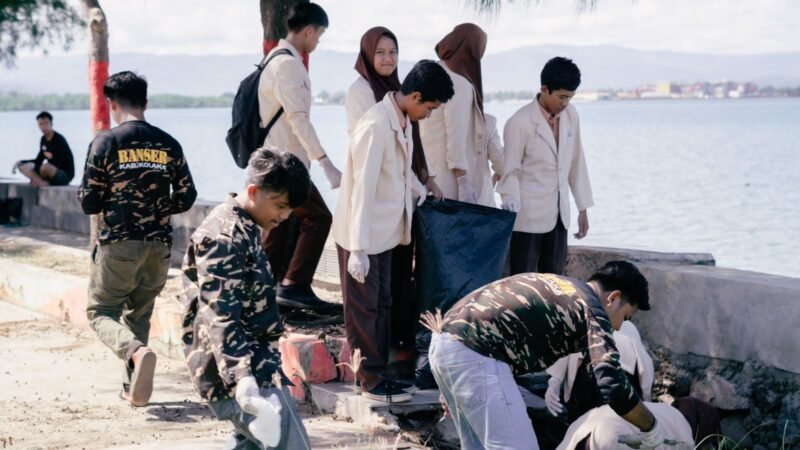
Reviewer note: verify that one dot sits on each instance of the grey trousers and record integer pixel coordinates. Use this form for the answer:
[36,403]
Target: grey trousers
[293,433]
[125,279]
[482,396]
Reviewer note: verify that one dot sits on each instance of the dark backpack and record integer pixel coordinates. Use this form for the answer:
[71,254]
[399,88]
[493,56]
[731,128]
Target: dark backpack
[245,134]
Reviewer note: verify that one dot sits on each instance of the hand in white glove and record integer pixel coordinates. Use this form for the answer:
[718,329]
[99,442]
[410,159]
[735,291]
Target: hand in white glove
[267,425]
[652,438]
[246,391]
[552,397]
[644,440]
[510,205]
[420,191]
[333,174]
[466,193]
[358,265]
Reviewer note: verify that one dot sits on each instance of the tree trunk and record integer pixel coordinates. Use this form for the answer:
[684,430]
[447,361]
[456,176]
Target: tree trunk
[98,74]
[273,19]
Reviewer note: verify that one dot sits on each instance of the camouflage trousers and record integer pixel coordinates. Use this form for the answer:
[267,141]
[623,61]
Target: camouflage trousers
[293,432]
[126,277]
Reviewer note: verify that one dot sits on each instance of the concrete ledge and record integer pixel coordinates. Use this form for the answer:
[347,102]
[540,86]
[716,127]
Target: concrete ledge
[724,313]
[583,261]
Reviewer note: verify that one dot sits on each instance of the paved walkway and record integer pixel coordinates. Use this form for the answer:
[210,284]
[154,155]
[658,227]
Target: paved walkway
[59,386]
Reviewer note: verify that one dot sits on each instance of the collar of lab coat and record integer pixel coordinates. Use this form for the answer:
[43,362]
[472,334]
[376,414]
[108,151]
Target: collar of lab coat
[403,137]
[543,128]
[283,43]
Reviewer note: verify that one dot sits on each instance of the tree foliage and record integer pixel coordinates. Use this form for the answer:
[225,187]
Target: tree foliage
[494,6]
[35,24]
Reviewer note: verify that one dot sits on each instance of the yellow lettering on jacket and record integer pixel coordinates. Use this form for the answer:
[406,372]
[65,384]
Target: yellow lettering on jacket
[122,155]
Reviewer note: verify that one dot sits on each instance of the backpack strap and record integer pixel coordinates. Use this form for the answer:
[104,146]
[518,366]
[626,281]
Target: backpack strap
[283,51]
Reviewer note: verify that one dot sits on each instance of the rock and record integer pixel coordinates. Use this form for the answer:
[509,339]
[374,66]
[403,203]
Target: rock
[720,393]
[734,428]
[788,425]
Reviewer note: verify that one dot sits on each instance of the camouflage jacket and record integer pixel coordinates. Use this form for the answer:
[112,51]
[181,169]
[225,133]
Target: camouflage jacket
[128,174]
[531,320]
[231,323]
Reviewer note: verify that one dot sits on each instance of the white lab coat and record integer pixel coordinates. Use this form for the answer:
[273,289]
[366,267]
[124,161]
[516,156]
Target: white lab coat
[375,201]
[285,82]
[538,175]
[457,136]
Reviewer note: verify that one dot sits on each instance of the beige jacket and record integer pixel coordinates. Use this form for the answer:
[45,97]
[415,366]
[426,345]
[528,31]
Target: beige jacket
[538,176]
[457,136]
[359,99]
[376,202]
[285,82]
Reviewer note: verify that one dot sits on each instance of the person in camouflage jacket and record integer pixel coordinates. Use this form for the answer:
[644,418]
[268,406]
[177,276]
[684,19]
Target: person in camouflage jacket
[231,322]
[523,324]
[135,178]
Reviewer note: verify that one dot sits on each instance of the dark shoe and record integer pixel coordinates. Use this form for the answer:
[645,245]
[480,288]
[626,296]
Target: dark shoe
[407,387]
[144,367]
[299,296]
[387,392]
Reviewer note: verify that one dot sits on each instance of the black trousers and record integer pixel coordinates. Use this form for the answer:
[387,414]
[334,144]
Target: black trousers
[367,314]
[539,252]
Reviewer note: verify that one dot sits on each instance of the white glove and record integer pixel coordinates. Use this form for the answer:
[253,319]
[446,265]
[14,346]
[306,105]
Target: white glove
[552,397]
[652,438]
[246,391]
[267,425]
[645,439]
[358,265]
[421,191]
[333,174]
[466,193]
[510,205]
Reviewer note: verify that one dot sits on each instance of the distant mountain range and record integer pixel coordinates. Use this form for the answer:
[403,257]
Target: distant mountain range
[603,67]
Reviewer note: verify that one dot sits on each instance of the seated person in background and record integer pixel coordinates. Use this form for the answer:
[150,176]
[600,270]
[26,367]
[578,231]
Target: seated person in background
[53,165]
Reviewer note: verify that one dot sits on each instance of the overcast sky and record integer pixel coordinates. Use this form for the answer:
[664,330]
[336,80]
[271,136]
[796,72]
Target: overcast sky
[234,26]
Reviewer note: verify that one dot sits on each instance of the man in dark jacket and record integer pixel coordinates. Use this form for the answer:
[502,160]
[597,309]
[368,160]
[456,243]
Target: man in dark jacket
[136,177]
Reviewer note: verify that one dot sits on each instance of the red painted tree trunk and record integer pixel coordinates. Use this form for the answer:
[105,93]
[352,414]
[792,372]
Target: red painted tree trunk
[273,18]
[98,65]
[98,74]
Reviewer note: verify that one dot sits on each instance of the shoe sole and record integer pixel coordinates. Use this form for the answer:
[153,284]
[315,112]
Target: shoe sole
[142,380]
[320,307]
[399,398]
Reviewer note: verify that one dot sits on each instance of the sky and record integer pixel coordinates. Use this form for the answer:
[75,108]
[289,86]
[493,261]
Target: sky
[234,26]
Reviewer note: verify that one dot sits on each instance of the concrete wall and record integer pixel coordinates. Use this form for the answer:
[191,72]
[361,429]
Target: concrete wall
[710,311]
[696,307]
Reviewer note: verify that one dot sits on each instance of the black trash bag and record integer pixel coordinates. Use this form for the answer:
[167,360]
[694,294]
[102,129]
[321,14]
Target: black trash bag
[460,247]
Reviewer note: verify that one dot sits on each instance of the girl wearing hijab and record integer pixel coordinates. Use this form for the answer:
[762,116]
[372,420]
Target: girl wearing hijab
[377,68]
[460,139]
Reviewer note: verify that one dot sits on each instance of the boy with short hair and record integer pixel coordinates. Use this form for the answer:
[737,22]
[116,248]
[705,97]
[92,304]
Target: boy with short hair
[284,83]
[524,324]
[53,164]
[373,216]
[231,322]
[130,171]
[542,164]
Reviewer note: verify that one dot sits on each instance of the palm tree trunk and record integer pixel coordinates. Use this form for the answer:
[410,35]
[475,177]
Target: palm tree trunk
[98,74]
[273,18]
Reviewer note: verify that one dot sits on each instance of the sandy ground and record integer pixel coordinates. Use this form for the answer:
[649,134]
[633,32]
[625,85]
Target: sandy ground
[59,389]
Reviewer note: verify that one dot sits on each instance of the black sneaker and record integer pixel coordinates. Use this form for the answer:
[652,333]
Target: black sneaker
[299,296]
[387,392]
[408,387]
